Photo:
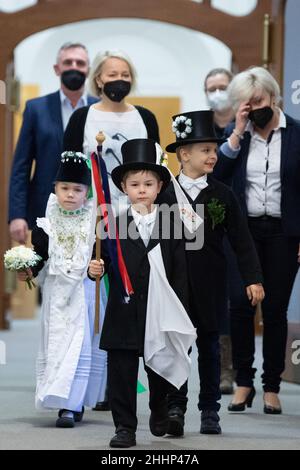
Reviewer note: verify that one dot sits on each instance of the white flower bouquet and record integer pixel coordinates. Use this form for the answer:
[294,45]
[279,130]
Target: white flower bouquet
[21,258]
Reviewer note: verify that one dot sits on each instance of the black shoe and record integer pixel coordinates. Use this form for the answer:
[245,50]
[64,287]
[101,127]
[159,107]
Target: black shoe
[102,406]
[63,421]
[270,409]
[176,422]
[210,422]
[241,406]
[78,415]
[123,438]
[159,421]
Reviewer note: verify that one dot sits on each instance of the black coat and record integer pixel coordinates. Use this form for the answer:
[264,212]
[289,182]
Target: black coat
[207,266]
[124,324]
[74,133]
[40,242]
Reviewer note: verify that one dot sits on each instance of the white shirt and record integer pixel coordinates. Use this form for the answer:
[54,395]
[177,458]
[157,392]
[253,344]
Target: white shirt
[144,223]
[263,184]
[118,128]
[192,186]
[67,109]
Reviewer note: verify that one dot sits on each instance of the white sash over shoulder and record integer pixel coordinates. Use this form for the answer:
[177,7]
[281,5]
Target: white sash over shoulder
[169,331]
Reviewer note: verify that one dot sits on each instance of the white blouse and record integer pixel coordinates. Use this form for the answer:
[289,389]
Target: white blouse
[118,128]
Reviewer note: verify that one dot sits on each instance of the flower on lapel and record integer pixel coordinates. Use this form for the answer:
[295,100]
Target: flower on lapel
[216,211]
[164,159]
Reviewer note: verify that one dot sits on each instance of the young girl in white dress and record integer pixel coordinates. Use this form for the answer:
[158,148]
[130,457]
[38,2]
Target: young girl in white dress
[71,372]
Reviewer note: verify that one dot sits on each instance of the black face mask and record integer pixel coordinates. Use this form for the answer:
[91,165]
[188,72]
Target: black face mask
[73,79]
[117,90]
[261,117]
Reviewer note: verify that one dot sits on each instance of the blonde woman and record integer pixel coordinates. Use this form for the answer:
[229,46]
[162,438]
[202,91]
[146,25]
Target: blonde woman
[112,77]
[262,156]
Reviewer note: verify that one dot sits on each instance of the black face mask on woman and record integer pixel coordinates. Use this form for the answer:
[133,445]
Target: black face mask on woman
[117,90]
[73,79]
[262,116]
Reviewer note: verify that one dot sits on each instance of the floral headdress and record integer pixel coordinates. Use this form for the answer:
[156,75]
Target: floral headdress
[76,156]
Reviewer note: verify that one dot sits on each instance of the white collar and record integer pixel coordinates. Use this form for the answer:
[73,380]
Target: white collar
[65,99]
[148,218]
[188,179]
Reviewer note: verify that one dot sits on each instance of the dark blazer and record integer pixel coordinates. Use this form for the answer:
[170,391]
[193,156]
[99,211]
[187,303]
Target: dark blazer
[124,324]
[74,133]
[235,170]
[41,141]
[207,266]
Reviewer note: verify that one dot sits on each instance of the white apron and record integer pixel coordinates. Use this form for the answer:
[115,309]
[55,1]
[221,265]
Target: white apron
[169,331]
[64,309]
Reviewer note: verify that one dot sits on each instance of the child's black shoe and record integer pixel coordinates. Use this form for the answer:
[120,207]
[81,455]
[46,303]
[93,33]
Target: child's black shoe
[123,438]
[176,422]
[210,422]
[159,421]
[65,419]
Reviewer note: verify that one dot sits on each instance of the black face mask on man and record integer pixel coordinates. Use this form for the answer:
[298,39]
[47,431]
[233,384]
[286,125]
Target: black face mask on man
[73,79]
[262,116]
[117,90]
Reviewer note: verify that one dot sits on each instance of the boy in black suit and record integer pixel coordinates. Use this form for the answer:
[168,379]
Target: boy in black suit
[128,326]
[196,149]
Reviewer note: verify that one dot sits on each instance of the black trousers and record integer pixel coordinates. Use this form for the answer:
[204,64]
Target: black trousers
[209,374]
[222,302]
[278,257]
[122,384]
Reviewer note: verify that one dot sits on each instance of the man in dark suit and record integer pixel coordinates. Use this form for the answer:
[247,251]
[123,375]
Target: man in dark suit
[41,140]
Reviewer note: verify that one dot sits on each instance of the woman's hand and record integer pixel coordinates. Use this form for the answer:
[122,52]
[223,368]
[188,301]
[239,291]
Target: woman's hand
[96,268]
[24,275]
[255,293]
[241,120]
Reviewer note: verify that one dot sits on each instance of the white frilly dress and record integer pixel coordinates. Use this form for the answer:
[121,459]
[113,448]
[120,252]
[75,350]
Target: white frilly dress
[71,369]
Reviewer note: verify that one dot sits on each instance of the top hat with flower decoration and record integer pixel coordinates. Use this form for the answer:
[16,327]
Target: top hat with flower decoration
[141,154]
[193,127]
[74,168]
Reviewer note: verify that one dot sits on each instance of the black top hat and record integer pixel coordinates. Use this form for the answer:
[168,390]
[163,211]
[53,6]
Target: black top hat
[73,168]
[141,154]
[193,127]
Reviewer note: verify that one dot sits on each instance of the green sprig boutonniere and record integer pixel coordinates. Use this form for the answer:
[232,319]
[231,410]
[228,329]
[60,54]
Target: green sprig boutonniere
[216,211]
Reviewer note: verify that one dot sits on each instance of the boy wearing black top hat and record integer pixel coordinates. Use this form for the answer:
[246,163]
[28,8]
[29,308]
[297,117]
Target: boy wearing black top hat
[196,149]
[157,269]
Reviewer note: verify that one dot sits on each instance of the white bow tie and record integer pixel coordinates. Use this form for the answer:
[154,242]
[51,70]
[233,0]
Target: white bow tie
[188,185]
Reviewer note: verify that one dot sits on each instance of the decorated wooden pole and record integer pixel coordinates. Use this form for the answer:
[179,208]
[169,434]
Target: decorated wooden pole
[100,137]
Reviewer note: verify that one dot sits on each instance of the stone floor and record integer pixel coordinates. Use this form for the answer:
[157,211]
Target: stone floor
[21,427]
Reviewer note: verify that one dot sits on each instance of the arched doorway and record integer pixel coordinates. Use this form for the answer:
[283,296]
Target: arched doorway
[243,35]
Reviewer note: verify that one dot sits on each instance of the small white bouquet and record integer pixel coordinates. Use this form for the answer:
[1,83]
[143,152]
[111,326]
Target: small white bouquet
[21,258]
